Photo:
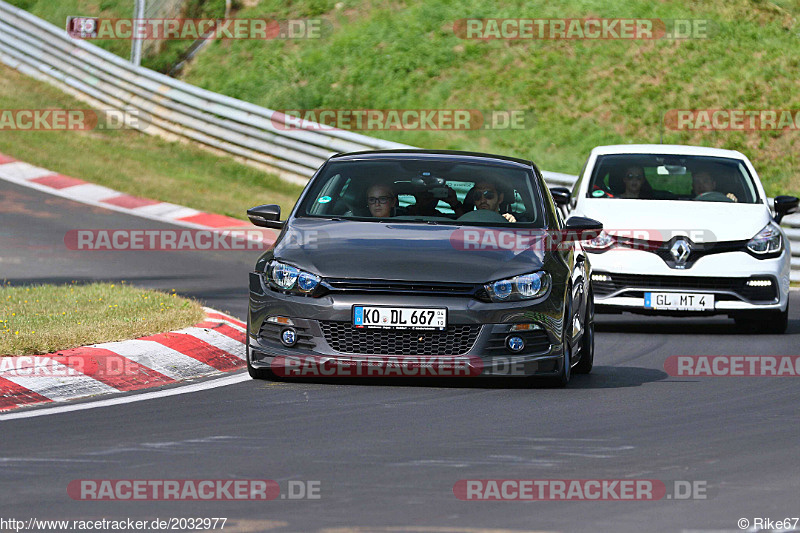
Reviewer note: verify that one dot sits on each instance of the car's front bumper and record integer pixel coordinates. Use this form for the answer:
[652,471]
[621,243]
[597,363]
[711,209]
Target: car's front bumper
[475,335]
[726,275]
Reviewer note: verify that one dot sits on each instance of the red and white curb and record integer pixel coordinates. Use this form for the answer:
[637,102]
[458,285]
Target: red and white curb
[214,346]
[88,193]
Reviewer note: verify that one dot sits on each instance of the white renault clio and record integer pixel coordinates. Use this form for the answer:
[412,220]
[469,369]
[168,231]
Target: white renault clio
[688,231]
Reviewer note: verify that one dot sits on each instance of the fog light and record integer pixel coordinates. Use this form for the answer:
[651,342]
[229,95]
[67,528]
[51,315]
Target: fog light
[289,337]
[601,277]
[515,344]
[759,283]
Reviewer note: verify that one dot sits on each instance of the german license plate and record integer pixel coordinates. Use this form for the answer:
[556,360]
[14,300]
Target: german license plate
[678,301]
[399,317]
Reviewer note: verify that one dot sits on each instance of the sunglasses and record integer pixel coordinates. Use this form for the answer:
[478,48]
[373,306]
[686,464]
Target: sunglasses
[372,200]
[489,195]
[634,176]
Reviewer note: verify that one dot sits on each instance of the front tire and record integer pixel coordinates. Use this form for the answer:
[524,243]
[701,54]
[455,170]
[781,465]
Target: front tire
[562,380]
[586,362]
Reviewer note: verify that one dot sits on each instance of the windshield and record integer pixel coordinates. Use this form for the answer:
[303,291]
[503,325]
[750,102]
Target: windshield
[425,191]
[672,177]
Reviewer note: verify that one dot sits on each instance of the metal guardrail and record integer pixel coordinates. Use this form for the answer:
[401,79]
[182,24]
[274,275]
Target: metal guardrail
[178,110]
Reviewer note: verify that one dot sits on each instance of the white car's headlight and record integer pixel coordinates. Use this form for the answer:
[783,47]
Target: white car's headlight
[289,278]
[766,241]
[601,243]
[524,287]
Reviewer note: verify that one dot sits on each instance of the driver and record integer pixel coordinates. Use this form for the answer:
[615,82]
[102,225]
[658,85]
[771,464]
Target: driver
[633,178]
[703,182]
[487,197]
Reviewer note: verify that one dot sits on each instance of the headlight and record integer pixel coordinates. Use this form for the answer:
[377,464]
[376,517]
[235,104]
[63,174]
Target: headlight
[288,278]
[766,241]
[601,243]
[524,287]
[284,276]
[307,282]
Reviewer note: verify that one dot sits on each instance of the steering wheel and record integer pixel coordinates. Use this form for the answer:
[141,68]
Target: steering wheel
[482,215]
[712,196]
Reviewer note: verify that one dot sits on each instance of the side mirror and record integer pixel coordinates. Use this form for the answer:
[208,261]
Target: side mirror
[581,229]
[561,195]
[266,216]
[783,205]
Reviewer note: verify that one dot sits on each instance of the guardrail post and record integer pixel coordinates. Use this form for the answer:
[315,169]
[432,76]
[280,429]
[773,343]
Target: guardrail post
[136,43]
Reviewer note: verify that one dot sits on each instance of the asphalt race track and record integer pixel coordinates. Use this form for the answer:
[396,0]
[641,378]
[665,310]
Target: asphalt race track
[386,455]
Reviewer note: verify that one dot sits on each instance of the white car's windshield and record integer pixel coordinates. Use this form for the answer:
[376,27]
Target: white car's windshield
[672,177]
[425,192]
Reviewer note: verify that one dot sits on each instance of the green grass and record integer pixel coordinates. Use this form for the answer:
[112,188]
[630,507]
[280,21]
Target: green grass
[46,318]
[133,162]
[389,55]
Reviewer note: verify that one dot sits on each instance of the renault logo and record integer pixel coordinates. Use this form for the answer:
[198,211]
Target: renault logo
[680,251]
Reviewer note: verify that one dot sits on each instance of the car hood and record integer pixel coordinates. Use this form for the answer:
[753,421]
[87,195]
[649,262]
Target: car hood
[715,221]
[396,251]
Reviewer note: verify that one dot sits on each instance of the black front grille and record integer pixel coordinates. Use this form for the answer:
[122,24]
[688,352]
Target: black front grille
[684,283]
[697,249]
[346,338]
[423,288]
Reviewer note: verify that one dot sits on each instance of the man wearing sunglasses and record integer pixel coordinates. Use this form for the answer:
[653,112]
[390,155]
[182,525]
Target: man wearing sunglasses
[487,197]
[381,200]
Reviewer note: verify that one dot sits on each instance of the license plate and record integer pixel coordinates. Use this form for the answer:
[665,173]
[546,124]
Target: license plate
[678,301]
[399,317]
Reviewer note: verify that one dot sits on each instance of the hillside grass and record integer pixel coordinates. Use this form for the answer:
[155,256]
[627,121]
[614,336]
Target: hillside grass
[404,54]
[135,163]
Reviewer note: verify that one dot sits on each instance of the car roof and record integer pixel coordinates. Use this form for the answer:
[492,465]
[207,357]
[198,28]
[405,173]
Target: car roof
[442,155]
[670,149]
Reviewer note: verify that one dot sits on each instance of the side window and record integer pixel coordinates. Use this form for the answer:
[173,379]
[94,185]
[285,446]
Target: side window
[405,200]
[560,218]
[329,199]
[518,205]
